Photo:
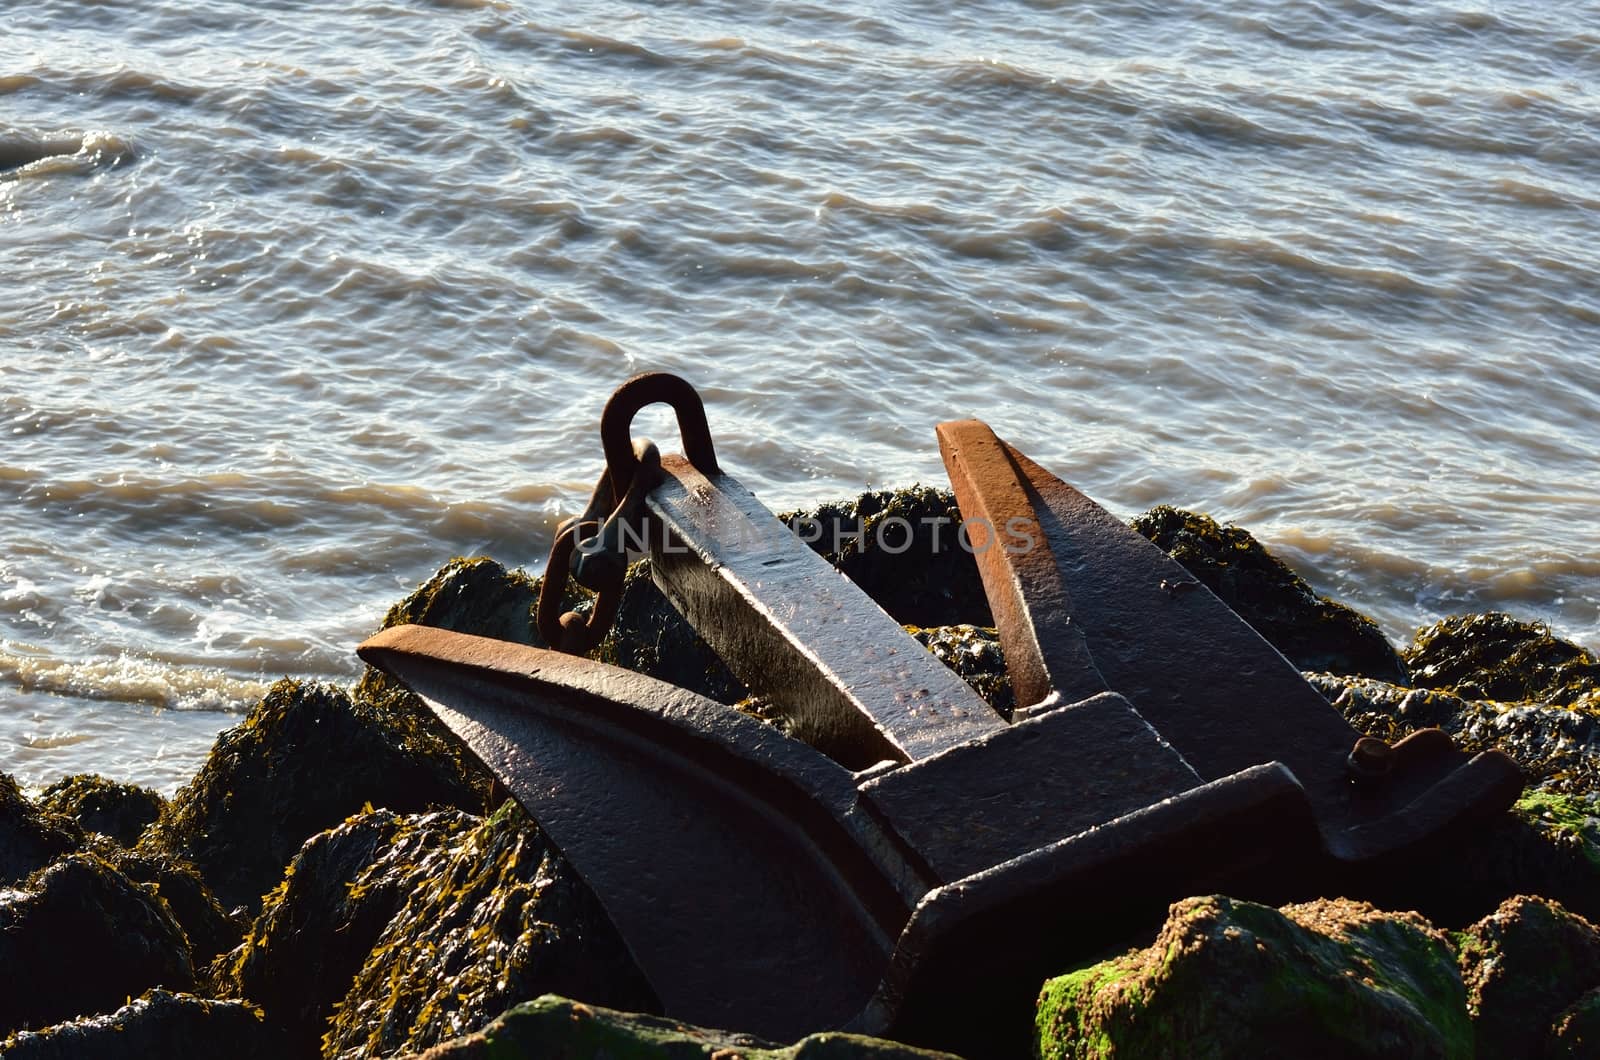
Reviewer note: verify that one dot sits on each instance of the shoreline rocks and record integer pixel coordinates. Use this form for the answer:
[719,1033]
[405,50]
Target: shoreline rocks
[385,899]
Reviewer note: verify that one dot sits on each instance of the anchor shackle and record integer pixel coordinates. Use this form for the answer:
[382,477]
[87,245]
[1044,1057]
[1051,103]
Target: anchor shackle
[651,388]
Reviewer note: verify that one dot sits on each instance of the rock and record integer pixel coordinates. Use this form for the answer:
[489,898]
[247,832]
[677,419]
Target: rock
[1495,656]
[1228,978]
[1316,633]
[317,928]
[120,811]
[209,928]
[1575,1033]
[305,758]
[158,1024]
[31,837]
[975,654]
[476,596]
[650,637]
[495,918]
[1522,965]
[1557,746]
[80,937]
[904,549]
[554,1028]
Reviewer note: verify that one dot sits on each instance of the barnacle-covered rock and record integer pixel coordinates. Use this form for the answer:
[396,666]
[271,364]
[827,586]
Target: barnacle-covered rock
[80,937]
[305,758]
[1523,965]
[120,811]
[1495,656]
[1314,632]
[157,1024]
[555,1028]
[1228,978]
[31,837]
[497,917]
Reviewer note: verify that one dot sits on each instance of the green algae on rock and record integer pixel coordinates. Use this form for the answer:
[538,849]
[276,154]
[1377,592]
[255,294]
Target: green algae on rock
[31,837]
[121,811]
[157,1024]
[1314,632]
[80,937]
[304,759]
[1523,965]
[1495,656]
[1228,978]
[555,1028]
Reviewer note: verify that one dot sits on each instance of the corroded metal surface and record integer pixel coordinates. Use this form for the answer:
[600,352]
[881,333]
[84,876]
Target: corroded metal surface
[791,627]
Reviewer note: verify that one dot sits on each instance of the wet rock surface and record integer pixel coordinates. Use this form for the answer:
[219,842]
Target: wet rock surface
[1227,978]
[305,758]
[80,937]
[1494,656]
[555,1028]
[120,811]
[158,1024]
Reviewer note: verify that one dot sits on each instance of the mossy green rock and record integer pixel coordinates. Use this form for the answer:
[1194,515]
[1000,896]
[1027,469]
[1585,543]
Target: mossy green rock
[1314,632]
[79,937]
[1227,978]
[1495,656]
[555,1028]
[31,837]
[1523,965]
[305,758]
[158,1024]
[120,811]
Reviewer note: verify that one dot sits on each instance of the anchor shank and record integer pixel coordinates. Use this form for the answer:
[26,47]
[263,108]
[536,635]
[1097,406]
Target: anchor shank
[851,681]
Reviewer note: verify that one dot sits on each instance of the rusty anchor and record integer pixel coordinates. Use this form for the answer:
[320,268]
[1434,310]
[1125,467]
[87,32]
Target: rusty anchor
[904,853]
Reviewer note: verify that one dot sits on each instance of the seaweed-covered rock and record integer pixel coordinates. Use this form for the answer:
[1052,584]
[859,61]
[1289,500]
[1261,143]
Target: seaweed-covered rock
[158,1024]
[1558,747]
[1227,978]
[79,938]
[905,550]
[1522,966]
[1575,1033]
[209,928]
[488,915]
[1495,656]
[554,1028]
[305,758]
[120,811]
[317,928]
[974,653]
[30,836]
[1316,633]
[474,595]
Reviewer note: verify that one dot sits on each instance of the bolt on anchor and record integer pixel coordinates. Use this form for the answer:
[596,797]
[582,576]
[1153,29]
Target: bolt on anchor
[903,851]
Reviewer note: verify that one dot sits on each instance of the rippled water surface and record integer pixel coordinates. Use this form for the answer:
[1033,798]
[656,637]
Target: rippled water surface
[300,300]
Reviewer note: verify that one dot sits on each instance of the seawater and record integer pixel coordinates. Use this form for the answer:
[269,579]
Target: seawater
[301,300]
